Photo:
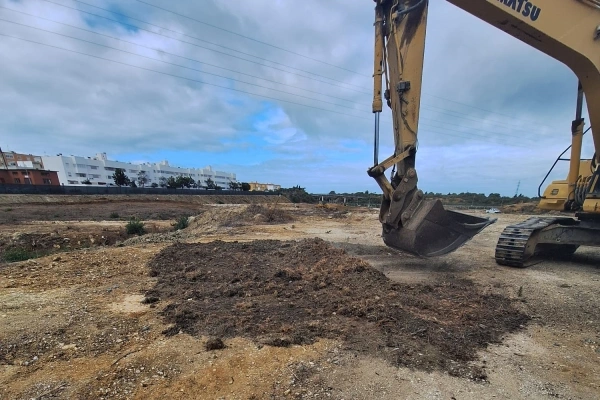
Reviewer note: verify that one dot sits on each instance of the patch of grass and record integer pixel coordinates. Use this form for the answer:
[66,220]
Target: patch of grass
[114,215]
[8,209]
[135,227]
[181,223]
[18,254]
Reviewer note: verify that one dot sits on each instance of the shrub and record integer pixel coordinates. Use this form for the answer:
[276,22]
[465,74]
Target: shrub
[114,214]
[135,227]
[18,254]
[181,223]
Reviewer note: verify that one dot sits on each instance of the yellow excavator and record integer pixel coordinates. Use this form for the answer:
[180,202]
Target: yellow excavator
[567,30]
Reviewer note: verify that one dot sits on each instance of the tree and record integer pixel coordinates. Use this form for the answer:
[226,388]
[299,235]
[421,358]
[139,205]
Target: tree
[210,184]
[245,187]
[120,178]
[86,182]
[185,181]
[132,184]
[172,183]
[142,178]
[234,185]
[332,192]
[154,185]
[162,182]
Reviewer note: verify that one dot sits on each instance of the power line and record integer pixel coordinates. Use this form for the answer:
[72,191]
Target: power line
[179,65]
[219,86]
[206,41]
[175,55]
[238,51]
[225,77]
[183,77]
[252,39]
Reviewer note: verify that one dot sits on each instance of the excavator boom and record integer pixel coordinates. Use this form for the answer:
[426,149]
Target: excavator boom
[567,30]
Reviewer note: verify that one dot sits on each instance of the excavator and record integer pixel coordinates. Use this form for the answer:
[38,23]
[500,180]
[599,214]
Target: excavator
[568,31]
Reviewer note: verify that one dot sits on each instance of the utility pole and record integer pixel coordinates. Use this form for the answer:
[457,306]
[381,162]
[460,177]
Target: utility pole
[518,186]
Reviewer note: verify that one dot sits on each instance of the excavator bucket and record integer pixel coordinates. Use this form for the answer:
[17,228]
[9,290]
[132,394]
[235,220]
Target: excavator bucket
[433,231]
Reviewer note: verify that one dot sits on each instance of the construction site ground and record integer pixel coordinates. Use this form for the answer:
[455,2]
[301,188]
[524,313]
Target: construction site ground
[275,301]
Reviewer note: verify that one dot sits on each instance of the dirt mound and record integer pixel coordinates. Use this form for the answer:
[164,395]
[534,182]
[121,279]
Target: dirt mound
[218,218]
[523,208]
[282,293]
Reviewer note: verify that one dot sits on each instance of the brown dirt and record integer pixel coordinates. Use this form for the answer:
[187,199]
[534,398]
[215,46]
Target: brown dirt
[76,327]
[35,245]
[285,293]
[117,211]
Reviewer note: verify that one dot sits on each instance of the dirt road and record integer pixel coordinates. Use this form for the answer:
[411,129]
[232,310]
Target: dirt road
[340,318]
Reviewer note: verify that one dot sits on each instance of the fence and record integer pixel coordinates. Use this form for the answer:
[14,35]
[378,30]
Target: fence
[112,190]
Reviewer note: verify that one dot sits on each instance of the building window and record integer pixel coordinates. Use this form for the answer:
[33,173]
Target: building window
[109,168]
[17,180]
[10,156]
[93,166]
[109,177]
[47,181]
[81,175]
[45,173]
[81,165]
[27,181]
[15,173]
[73,182]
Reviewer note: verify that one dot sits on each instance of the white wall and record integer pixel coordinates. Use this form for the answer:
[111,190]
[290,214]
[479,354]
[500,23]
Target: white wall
[73,170]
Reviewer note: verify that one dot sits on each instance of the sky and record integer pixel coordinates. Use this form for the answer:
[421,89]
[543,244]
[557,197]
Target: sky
[276,91]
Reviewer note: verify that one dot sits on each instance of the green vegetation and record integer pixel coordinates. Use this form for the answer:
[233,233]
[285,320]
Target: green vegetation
[120,178]
[18,254]
[297,194]
[114,215]
[135,227]
[142,178]
[181,223]
[8,209]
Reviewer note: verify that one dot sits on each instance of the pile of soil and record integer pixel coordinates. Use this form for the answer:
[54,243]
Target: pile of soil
[282,293]
[219,218]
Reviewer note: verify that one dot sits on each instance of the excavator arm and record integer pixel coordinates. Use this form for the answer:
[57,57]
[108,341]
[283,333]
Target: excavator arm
[567,30]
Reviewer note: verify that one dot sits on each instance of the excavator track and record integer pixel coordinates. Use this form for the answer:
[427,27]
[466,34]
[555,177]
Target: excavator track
[512,247]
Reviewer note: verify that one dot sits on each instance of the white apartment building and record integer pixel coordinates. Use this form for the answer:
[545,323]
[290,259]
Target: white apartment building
[73,170]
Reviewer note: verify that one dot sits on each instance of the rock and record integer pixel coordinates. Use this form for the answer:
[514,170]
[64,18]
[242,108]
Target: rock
[57,258]
[214,344]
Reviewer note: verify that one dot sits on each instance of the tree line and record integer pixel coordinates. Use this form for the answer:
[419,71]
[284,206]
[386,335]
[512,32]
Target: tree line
[141,180]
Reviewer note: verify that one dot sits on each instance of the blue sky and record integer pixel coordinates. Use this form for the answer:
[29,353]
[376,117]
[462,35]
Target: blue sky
[293,110]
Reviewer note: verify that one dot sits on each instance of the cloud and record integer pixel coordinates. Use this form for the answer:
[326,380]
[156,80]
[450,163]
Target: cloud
[494,111]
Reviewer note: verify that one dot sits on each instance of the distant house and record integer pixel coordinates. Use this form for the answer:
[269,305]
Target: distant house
[98,171]
[263,187]
[10,159]
[26,176]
